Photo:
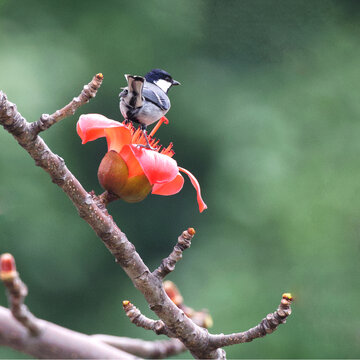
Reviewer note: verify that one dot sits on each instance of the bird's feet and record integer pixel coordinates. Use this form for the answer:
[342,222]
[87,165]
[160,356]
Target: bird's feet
[147,146]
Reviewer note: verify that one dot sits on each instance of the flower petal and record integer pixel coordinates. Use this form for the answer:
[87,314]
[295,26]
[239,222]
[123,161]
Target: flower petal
[196,185]
[158,168]
[170,188]
[132,163]
[117,138]
[93,126]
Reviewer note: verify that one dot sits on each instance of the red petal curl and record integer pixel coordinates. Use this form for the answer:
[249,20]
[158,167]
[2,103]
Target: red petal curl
[170,188]
[158,168]
[93,126]
[196,185]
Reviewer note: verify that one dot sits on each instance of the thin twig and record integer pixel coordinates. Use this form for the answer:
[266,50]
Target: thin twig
[159,349]
[168,264]
[140,320]
[89,91]
[266,326]
[16,293]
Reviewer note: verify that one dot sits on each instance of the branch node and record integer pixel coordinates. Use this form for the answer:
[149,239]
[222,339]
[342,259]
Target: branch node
[104,199]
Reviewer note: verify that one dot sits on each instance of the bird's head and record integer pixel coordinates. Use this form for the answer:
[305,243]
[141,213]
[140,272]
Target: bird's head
[161,78]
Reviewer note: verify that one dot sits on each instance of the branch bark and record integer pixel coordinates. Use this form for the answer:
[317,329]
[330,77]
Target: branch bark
[159,349]
[140,320]
[54,342]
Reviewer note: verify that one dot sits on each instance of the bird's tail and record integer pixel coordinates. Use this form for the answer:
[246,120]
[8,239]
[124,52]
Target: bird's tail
[135,86]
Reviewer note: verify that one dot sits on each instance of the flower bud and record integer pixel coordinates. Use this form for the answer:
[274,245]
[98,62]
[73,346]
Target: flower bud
[7,267]
[113,172]
[173,292]
[287,296]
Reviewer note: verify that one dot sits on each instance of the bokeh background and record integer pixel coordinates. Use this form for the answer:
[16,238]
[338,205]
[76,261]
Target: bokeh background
[268,119]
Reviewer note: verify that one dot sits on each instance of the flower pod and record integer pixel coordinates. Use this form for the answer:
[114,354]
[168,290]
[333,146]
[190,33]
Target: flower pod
[113,172]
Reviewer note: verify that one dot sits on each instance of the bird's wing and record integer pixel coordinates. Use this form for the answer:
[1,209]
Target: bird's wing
[154,94]
[135,89]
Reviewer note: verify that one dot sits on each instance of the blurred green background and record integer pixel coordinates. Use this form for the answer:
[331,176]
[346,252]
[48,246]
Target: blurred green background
[268,119]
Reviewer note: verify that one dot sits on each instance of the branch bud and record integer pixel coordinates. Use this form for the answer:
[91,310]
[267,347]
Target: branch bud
[7,267]
[287,296]
[173,292]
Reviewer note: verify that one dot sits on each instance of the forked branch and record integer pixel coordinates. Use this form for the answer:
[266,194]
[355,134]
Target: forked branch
[21,330]
[91,209]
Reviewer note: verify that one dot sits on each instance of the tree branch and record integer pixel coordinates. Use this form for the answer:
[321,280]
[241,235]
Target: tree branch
[168,264]
[159,349]
[16,292]
[55,342]
[140,320]
[194,337]
[37,337]
[89,91]
[266,326]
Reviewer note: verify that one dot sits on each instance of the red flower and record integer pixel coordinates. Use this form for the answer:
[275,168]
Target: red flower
[130,171]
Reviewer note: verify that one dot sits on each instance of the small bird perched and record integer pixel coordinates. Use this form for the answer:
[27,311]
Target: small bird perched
[145,100]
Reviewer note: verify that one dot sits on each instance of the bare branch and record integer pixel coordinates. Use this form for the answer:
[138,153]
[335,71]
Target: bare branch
[114,239]
[168,264]
[29,336]
[89,91]
[55,342]
[266,326]
[16,293]
[194,337]
[140,320]
[159,349]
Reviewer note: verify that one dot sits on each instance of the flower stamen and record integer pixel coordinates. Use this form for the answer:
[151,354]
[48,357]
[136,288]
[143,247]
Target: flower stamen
[137,137]
[168,151]
[157,126]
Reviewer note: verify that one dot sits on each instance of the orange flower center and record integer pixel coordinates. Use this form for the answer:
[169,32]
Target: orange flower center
[138,138]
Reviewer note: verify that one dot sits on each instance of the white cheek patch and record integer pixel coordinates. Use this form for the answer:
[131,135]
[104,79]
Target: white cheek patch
[163,84]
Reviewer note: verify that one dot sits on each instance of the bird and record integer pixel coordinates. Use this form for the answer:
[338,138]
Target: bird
[145,101]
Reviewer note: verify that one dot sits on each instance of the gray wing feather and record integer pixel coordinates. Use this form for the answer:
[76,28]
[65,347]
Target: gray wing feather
[154,94]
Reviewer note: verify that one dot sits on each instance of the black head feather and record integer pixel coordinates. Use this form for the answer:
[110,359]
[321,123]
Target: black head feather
[157,74]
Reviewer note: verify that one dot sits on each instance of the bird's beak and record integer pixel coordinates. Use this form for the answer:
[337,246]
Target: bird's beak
[174,82]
